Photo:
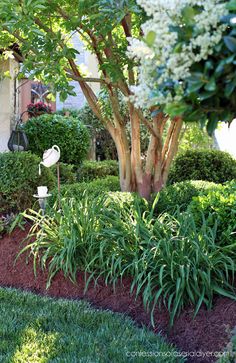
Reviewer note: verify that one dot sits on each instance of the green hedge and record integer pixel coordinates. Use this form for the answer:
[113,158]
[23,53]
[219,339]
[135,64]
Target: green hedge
[90,170]
[93,189]
[19,179]
[218,206]
[68,133]
[211,165]
[68,173]
[181,194]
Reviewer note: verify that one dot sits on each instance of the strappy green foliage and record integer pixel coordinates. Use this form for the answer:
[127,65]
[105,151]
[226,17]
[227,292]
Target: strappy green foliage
[170,259]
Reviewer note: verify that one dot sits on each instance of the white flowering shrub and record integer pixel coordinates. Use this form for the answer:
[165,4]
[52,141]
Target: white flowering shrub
[178,34]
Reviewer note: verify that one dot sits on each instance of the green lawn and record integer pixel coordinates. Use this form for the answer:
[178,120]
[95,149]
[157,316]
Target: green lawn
[35,329]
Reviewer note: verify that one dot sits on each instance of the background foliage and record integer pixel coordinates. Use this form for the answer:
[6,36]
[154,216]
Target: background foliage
[90,170]
[68,174]
[194,137]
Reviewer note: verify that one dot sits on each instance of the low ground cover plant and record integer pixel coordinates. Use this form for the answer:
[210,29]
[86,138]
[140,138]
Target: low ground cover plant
[171,259]
[211,165]
[229,355]
[35,329]
[6,223]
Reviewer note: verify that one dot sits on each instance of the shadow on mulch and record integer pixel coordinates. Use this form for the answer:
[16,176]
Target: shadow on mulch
[206,333]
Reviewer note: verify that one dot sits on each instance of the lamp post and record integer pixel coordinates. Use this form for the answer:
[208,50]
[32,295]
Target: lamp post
[42,201]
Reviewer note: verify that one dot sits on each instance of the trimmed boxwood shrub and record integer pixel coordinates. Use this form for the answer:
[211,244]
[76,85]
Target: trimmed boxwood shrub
[105,146]
[90,170]
[19,179]
[67,132]
[211,165]
[181,194]
[94,188]
[219,208]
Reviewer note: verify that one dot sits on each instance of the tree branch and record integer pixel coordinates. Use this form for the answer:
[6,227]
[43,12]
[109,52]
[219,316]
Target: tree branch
[87,90]
[167,140]
[148,125]
[173,147]
[84,79]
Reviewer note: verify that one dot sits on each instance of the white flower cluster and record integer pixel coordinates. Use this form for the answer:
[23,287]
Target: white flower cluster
[161,61]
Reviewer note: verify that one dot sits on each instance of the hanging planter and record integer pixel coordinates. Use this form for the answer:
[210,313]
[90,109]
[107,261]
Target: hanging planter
[38,109]
[18,140]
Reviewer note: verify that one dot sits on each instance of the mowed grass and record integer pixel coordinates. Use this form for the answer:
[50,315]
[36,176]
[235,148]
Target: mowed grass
[35,329]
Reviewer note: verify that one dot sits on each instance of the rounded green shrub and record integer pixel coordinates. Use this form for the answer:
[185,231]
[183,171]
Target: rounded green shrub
[211,165]
[19,179]
[181,194]
[67,132]
[218,207]
[105,146]
[90,170]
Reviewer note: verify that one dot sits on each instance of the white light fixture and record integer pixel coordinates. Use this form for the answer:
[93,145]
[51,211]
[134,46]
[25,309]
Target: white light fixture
[50,158]
[42,197]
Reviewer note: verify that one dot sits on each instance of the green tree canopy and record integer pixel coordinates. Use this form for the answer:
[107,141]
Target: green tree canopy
[188,59]
[44,29]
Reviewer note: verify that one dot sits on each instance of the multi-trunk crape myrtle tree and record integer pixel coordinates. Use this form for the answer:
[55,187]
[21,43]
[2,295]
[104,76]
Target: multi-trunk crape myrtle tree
[159,63]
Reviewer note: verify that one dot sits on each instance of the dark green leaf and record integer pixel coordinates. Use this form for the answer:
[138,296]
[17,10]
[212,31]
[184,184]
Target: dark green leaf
[195,86]
[205,95]
[211,85]
[231,5]
[212,123]
[230,43]
[176,109]
[229,89]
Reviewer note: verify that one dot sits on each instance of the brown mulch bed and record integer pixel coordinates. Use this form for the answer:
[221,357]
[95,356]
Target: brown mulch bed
[206,333]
